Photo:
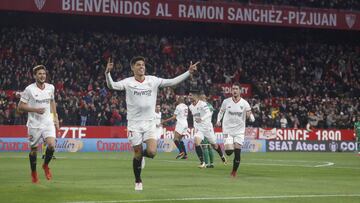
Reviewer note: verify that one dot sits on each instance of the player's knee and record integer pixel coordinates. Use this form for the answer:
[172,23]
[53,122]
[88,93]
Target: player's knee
[151,153]
[51,147]
[137,153]
[33,152]
[229,152]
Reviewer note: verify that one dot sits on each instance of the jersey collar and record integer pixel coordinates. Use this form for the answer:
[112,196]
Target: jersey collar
[235,100]
[140,81]
[40,87]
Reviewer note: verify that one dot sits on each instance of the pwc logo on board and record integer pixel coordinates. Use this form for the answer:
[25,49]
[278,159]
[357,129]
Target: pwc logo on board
[39,3]
[350,20]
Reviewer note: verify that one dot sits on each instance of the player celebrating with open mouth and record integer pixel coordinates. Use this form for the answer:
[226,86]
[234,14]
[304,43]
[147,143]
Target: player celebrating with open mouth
[141,93]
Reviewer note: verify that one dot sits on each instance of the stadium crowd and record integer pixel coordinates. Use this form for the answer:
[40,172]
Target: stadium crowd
[293,81]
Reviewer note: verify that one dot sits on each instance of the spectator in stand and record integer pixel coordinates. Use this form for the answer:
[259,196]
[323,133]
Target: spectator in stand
[326,73]
[84,113]
[283,121]
[115,117]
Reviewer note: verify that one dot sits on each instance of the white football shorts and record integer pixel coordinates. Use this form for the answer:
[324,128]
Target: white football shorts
[140,131]
[36,133]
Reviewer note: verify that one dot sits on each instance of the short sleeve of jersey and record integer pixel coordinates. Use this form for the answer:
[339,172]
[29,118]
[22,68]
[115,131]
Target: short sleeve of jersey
[177,110]
[247,106]
[223,105]
[205,107]
[25,95]
[211,108]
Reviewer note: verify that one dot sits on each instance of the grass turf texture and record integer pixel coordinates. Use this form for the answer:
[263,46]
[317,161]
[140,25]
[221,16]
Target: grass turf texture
[262,177]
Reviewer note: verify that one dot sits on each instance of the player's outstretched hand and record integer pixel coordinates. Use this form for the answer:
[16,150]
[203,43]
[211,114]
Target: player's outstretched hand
[109,65]
[193,67]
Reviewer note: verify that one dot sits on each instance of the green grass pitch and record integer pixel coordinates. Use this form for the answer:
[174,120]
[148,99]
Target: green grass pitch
[108,177]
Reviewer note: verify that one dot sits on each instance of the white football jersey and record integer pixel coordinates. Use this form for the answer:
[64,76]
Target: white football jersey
[201,110]
[234,115]
[38,98]
[140,96]
[181,113]
[158,118]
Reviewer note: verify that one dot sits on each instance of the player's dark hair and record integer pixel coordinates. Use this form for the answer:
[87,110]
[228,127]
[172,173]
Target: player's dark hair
[37,68]
[136,59]
[236,84]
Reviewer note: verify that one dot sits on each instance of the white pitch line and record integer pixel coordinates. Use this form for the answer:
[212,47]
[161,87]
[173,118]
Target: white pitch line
[324,165]
[223,198]
[287,160]
[263,164]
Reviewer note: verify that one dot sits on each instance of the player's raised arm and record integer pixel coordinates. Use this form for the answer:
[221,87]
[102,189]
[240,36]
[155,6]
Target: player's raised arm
[109,81]
[180,78]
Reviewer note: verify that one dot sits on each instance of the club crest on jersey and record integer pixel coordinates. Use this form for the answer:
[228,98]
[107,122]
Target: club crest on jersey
[39,3]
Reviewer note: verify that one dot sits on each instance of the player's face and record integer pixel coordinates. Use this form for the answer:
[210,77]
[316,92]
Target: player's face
[180,100]
[193,97]
[202,97]
[157,109]
[40,76]
[235,90]
[138,68]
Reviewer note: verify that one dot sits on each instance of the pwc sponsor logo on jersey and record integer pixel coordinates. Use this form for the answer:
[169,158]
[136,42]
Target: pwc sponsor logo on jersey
[142,93]
[42,101]
[234,113]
